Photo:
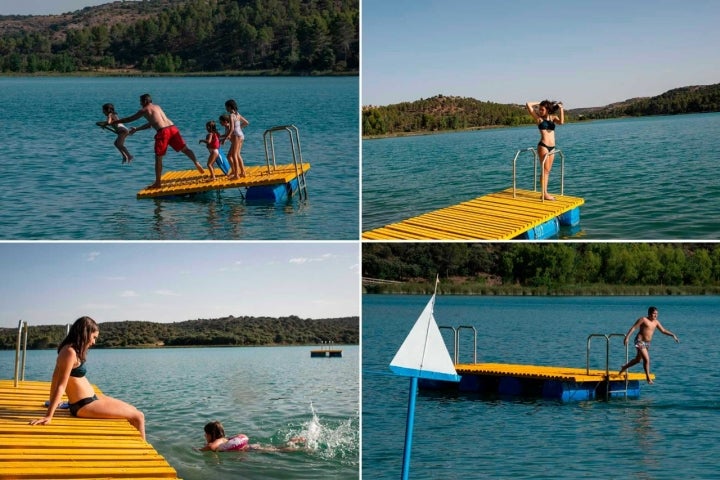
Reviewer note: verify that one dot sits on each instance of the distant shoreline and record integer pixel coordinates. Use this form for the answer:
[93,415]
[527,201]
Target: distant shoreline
[139,73]
[421,133]
[483,290]
[171,347]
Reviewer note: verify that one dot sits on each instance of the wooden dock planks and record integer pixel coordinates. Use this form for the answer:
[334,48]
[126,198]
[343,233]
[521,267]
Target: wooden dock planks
[69,447]
[191,181]
[566,374]
[496,216]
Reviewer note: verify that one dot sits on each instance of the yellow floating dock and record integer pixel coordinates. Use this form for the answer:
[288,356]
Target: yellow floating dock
[496,216]
[69,447]
[556,383]
[539,372]
[191,181]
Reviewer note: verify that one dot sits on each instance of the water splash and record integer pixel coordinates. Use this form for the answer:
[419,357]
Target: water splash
[328,439]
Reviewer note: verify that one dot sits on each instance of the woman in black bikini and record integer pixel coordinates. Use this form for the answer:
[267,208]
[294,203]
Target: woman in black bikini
[69,377]
[546,120]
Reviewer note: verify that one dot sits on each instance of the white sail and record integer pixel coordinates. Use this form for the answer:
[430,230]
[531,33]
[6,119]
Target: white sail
[423,354]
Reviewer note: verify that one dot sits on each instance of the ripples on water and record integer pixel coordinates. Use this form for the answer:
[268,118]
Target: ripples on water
[668,433]
[63,179]
[650,178]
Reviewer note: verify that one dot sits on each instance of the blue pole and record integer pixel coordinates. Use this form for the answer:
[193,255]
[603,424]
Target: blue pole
[409,428]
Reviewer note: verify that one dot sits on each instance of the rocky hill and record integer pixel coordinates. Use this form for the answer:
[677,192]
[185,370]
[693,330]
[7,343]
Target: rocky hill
[691,99]
[107,14]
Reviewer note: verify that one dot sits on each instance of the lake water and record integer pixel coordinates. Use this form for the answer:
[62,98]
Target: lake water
[269,393]
[63,178]
[652,178]
[670,432]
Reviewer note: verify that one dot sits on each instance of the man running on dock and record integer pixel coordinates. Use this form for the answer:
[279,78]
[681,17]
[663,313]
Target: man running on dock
[646,326]
[167,134]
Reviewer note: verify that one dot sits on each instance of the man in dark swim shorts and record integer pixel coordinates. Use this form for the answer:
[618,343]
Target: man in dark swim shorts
[167,134]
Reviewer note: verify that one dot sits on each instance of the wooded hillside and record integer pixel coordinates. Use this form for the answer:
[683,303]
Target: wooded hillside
[237,331]
[441,113]
[566,268]
[695,99]
[165,36]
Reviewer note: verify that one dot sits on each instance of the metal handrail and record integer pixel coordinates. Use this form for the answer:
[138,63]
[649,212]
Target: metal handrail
[514,171]
[455,342]
[556,151]
[294,135]
[535,175]
[20,366]
[607,359]
[468,327]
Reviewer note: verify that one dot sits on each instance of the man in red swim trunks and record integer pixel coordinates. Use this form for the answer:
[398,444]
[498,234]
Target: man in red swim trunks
[167,134]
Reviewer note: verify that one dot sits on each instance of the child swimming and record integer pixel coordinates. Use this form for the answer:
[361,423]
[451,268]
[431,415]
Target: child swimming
[216,441]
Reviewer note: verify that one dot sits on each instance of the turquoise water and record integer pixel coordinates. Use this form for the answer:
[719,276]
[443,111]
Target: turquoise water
[652,178]
[269,393]
[670,432]
[63,178]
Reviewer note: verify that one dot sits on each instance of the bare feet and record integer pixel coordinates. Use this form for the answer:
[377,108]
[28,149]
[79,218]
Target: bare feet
[199,168]
[547,196]
[130,159]
[155,185]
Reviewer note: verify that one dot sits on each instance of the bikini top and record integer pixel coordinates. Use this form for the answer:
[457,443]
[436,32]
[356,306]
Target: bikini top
[79,371]
[546,125]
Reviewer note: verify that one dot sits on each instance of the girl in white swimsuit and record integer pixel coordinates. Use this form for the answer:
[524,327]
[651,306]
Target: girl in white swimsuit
[237,137]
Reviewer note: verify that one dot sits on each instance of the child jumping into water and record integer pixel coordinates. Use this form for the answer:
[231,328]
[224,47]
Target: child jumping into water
[212,141]
[216,441]
[121,130]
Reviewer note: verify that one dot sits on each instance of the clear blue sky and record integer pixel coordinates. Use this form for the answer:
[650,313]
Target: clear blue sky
[582,52]
[55,283]
[46,7]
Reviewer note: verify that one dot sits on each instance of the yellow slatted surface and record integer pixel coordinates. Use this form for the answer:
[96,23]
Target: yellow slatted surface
[543,373]
[69,447]
[497,216]
[191,181]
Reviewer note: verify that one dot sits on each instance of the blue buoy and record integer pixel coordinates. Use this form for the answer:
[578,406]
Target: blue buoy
[543,231]
[272,193]
[570,218]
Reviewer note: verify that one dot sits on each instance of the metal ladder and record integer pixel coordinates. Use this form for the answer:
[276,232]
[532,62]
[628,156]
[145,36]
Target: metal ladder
[536,158]
[20,362]
[607,361]
[456,341]
[294,136]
